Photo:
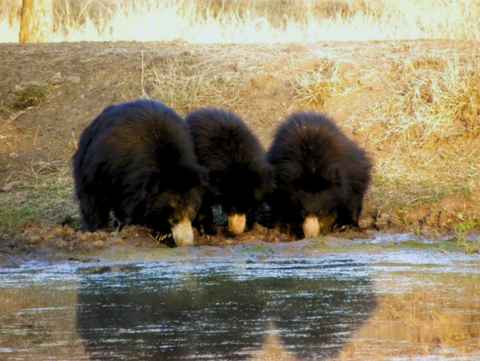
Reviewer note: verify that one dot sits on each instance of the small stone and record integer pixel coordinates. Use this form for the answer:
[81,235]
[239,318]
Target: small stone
[74,79]
[84,236]
[99,244]
[9,186]
[29,85]
[34,239]
[367,222]
[60,243]
[383,220]
[118,240]
[56,79]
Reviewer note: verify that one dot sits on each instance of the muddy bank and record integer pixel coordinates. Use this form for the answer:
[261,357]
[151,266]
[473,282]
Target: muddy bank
[425,181]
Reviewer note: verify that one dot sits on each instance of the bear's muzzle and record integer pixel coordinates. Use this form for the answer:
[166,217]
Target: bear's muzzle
[311,227]
[183,233]
[237,223]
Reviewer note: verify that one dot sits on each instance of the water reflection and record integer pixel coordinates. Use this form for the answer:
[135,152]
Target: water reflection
[219,316]
[281,304]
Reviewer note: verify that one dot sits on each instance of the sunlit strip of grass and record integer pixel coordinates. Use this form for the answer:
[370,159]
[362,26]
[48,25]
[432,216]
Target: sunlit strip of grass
[8,33]
[208,22]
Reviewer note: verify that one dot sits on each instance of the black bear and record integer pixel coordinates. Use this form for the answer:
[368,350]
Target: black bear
[319,173]
[239,175]
[137,160]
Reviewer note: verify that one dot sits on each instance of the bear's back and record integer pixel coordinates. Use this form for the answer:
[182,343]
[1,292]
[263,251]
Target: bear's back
[222,139]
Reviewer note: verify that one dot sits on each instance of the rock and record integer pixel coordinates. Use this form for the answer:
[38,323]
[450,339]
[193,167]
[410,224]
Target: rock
[84,236]
[9,186]
[99,244]
[29,85]
[56,79]
[383,221]
[117,240]
[367,222]
[74,79]
[34,239]
[60,243]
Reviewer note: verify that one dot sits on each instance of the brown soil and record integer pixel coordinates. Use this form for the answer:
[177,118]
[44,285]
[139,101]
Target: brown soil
[50,92]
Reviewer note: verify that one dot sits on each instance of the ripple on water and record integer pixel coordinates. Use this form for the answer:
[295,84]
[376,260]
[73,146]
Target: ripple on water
[236,305]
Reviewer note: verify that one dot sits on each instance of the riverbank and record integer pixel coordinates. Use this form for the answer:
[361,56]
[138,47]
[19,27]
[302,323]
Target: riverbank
[413,105]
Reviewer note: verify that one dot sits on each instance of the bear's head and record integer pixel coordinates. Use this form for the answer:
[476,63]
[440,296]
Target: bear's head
[242,188]
[174,200]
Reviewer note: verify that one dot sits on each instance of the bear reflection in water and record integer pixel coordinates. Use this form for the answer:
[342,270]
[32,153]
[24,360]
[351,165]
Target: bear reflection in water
[219,317]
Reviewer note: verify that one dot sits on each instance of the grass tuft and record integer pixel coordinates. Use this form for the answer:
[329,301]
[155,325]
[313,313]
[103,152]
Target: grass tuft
[46,195]
[29,96]
[313,89]
[428,104]
[186,85]
[462,232]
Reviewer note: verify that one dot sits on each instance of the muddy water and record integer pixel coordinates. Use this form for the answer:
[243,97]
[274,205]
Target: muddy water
[298,301]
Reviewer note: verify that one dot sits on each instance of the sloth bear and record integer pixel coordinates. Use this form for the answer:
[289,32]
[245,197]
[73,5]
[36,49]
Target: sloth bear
[319,174]
[239,175]
[137,160]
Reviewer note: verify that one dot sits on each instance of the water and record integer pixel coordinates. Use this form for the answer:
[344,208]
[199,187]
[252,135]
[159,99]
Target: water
[264,302]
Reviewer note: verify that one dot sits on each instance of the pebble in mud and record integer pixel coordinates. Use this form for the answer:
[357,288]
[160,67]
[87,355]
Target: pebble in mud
[99,244]
[56,79]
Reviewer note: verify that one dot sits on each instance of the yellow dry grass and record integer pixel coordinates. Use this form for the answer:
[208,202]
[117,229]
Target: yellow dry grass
[313,89]
[433,99]
[256,21]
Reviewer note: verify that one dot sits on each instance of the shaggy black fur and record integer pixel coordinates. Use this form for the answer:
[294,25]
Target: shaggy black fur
[137,160]
[239,175]
[318,171]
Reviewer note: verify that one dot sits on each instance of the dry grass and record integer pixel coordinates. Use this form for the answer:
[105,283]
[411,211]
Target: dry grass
[257,21]
[432,100]
[42,192]
[186,85]
[423,125]
[313,89]
[221,77]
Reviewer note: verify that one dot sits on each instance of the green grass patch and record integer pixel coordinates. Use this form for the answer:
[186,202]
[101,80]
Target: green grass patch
[29,96]
[462,240]
[48,200]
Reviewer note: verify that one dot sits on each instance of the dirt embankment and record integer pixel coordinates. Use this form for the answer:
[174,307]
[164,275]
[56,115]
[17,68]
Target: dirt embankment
[386,95]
